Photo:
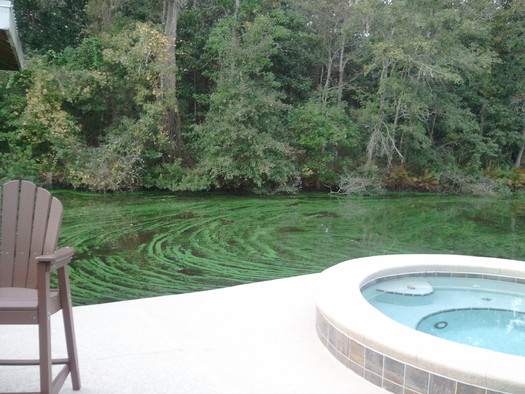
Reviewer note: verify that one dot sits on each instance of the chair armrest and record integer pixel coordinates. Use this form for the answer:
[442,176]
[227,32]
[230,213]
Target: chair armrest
[59,259]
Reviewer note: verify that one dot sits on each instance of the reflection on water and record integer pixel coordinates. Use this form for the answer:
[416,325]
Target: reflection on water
[145,244]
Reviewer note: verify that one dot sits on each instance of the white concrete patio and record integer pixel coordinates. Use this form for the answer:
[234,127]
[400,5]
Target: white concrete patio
[257,338]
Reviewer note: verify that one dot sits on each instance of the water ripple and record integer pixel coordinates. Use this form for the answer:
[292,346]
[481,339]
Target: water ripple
[147,244]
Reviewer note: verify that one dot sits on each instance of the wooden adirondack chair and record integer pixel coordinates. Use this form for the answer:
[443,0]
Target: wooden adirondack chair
[31,220]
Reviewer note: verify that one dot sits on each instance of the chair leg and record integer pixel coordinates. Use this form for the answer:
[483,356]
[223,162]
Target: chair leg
[69,327]
[44,334]
[71,348]
[46,378]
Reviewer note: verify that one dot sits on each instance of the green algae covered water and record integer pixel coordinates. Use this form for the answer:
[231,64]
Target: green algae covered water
[145,244]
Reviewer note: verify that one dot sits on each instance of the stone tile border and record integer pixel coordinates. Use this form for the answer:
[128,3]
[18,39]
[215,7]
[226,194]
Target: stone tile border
[388,373]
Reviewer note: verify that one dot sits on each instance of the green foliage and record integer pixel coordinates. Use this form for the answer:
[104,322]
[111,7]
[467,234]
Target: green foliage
[91,114]
[457,180]
[400,178]
[42,130]
[324,133]
[239,143]
[413,56]
[297,60]
[268,96]
[18,166]
[514,178]
[49,25]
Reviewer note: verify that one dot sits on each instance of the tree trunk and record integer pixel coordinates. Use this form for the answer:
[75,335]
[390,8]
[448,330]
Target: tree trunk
[482,113]
[237,7]
[326,87]
[172,120]
[376,138]
[340,83]
[522,149]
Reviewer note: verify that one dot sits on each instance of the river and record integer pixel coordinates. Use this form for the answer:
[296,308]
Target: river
[143,244]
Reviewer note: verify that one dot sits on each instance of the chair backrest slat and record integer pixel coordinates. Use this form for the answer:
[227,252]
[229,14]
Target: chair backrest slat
[53,226]
[26,208]
[38,233]
[31,220]
[7,246]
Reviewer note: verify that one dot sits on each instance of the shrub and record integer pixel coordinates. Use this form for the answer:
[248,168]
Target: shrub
[454,179]
[400,179]
[366,181]
[16,166]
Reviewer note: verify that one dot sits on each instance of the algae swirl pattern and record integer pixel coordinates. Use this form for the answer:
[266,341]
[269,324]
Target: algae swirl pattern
[148,243]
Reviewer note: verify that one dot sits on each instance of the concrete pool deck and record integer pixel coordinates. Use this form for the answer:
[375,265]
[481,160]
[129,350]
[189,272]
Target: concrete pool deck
[256,338]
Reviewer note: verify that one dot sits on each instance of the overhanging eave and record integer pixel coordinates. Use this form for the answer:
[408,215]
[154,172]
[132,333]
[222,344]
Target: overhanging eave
[11,56]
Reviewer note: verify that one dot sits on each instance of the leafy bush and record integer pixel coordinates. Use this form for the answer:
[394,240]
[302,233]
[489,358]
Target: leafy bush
[175,177]
[322,131]
[485,186]
[516,179]
[400,179]
[454,179]
[113,166]
[240,144]
[15,166]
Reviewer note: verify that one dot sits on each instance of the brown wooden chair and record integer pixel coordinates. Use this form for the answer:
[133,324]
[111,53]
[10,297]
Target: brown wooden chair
[31,220]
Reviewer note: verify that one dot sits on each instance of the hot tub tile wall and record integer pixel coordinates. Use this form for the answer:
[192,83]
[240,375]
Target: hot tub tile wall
[442,385]
[417,379]
[394,371]
[392,375]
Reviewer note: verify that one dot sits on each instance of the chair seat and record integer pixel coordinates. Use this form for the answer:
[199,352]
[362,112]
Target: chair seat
[19,305]
[18,298]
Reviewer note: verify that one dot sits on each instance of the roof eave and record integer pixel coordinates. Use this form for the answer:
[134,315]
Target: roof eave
[11,55]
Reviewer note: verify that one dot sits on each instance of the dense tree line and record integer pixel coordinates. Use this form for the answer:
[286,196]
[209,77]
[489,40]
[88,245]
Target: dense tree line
[268,96]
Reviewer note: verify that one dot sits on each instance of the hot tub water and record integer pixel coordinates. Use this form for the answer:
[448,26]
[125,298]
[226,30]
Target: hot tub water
[474,311]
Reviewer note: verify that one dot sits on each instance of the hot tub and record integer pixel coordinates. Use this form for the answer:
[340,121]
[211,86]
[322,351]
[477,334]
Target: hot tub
[397,357]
